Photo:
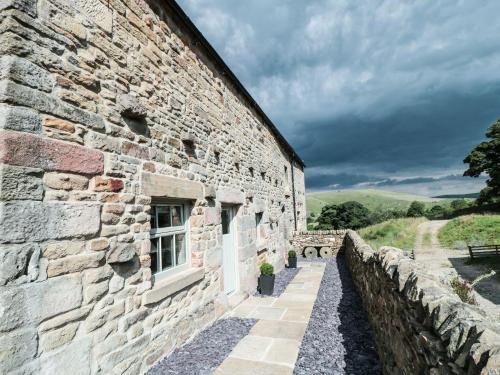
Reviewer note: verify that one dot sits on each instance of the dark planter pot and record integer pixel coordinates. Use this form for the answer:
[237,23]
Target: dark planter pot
[266,284]
[292,262]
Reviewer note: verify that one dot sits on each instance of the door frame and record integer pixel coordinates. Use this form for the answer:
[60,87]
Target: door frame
[233,214]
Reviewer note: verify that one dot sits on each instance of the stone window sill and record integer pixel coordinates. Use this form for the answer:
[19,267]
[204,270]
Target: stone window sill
[170,285]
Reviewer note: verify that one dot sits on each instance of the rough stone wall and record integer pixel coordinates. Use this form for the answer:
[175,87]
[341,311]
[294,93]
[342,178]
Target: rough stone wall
[300,196]
[98,99]
[319,238]
[420,326]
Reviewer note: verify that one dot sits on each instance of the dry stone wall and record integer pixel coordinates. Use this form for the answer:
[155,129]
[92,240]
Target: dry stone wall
[331,239]
[106,106]
[420,326]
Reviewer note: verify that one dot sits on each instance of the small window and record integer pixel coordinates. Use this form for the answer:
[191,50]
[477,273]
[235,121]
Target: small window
[251,171]
[286,172]
[263,175]
[190,149]
[258,221]
[168,238]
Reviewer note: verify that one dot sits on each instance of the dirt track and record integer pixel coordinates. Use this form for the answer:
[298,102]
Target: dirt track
[446,262]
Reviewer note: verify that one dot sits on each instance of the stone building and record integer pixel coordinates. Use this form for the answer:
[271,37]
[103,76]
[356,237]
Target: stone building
[140,185]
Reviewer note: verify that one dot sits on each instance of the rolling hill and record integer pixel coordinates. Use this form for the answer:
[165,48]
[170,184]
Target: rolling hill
[371,198]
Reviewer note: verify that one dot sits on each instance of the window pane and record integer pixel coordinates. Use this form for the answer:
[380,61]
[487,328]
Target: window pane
[258,218]
[166,252]
[180,249]
[163,216]
[154,255]
[153,217]
[225,221]
[176,216]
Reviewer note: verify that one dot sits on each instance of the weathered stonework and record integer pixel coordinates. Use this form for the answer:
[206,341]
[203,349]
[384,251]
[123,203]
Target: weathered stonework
[319,239]
[420,326]
[107,107]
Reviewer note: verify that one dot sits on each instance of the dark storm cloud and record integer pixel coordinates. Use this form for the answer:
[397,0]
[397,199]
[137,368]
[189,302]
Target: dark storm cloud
[367,91]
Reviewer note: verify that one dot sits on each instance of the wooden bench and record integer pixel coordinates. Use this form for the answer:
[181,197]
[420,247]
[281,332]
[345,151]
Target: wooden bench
[484,251]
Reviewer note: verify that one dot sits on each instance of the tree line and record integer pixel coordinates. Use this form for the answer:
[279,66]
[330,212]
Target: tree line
[354,215]
[483,159]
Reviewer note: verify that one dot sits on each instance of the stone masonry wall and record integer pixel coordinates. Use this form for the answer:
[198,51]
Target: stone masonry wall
[420,326]
[104,107]
[333,239]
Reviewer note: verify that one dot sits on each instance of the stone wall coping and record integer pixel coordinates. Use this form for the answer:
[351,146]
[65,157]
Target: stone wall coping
[168,286]
[464,326]
[320,232]
[317,244]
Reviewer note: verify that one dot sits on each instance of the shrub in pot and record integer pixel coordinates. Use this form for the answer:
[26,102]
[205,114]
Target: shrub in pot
[266,279]
[292,259]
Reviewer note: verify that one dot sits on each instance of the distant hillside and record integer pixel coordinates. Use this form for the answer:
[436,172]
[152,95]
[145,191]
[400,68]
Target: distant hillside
[458,196]
[371,198]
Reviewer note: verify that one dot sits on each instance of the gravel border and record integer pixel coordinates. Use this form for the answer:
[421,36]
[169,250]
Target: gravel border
[207,351]
[338,339]
[281,281]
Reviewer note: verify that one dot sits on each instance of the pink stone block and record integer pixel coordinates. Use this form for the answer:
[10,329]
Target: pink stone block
[51,155]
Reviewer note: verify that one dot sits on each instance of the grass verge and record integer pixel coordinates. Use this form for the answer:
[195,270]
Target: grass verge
[470,230]
[400,233]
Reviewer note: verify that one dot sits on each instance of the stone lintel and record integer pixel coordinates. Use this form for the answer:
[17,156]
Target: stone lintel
[173,284]
[232,196]
[259,204]
[155,185]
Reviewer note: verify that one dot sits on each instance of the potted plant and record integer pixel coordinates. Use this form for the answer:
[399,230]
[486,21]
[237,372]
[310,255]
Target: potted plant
[266,279]
[292,259]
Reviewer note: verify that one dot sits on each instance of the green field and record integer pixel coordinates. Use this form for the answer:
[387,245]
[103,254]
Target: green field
[471,230]
[374,200]
[400,233]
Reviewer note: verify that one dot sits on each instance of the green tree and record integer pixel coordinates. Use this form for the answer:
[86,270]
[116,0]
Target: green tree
[485,158]
[416,209]
[459,204]
[380,216]
[436,212]
[347,215]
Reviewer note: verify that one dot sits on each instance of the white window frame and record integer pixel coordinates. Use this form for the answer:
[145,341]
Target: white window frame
[171,231]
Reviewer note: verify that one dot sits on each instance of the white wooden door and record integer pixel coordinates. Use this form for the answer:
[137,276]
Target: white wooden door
[228,250]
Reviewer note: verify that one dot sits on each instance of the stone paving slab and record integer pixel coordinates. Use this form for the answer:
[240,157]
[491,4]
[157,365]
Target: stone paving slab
[237,366]
[283,351]
[273,344]
[297,315]
[279,329]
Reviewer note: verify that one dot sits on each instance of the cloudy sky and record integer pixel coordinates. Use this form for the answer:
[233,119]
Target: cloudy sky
[382,93]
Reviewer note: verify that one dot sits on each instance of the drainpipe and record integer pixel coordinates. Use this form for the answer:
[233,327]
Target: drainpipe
[293,195]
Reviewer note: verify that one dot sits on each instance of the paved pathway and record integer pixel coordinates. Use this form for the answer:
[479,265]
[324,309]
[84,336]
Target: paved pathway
[316,326]
[273,344]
